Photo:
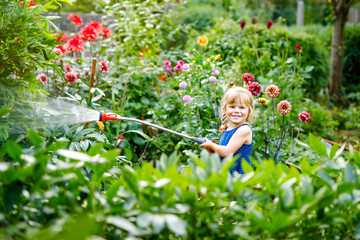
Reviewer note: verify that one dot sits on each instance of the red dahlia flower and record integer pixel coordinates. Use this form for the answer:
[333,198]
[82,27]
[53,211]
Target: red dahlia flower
[62,37]
[31,3]
[106,33]
[304,117]
[248,78]
[70,77]
[75,44]
[284,107]
[60,50]
[269,24]
[42,78]
[104,67]
[77,20]
[68,68]
[88,33]
[298,47]
[96,25]
[255,88]
[242,24]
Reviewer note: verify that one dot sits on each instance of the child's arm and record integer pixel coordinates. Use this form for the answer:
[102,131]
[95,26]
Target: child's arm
[241,136]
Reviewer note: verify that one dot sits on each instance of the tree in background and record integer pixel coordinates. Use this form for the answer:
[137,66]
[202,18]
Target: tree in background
[340,9]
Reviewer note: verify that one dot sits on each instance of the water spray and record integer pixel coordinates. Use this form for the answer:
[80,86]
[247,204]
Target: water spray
[112,116]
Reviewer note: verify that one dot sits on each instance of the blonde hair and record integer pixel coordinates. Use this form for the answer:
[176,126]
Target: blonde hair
[237,95]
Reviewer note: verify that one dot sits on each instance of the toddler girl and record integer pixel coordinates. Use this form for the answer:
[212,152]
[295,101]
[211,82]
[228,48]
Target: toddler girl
[237,108]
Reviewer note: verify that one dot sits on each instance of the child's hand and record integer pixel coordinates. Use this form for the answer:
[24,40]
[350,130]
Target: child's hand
[208,145]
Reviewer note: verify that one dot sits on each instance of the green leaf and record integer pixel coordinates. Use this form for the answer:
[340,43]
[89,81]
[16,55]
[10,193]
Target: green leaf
[96,149]
[309,68]
[334,149]
[140,133]
[246,166]
[112,190]
[111,154]
[34,137]
[158,223]
[317,145]
[345,187]
[307,188]
[175,224]
[14,150]
[350,174]
[123,223]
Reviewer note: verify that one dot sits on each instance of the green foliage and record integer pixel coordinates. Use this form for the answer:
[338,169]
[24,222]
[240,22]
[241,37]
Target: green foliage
[266,54]
[22,52]
[202,16]
[351,61]
[52,193]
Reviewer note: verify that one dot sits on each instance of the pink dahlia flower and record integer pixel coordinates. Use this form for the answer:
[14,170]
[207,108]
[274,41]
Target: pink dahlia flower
[104,67]
[272,91]
[181,62]
[248,78]
[183,85]
[167,64]
[284,107]
[212,79]
[269,24]
[186,98]
[70,77]
[304,117]
[42,78]
[178,68]
[186,67]
[215,72]
[255,88]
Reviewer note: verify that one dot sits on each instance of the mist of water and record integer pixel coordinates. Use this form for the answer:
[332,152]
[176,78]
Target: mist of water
[49,113]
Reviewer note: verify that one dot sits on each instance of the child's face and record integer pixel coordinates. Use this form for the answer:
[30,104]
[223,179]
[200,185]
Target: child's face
[237,114]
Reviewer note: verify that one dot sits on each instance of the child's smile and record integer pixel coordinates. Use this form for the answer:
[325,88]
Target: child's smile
[236,114]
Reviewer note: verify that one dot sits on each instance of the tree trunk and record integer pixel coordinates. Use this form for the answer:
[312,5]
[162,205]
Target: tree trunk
[337,46]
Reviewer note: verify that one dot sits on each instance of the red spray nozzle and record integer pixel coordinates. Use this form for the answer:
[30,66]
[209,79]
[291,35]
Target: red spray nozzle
[107,116]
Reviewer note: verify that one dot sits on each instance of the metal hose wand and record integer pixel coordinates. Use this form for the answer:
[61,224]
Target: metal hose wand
[112,116]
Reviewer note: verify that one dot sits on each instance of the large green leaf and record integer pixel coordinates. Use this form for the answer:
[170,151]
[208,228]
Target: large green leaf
[317,145]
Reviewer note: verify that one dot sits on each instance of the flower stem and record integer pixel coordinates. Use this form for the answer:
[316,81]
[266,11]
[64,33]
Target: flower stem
[274,117]
[267,140]
[297,136]
[281,132]
[261,117]
[191,128]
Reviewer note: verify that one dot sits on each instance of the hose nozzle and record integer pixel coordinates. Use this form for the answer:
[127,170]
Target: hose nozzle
[107,116]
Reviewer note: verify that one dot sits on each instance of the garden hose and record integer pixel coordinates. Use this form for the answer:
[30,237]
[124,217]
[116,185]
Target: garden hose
[112,116]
